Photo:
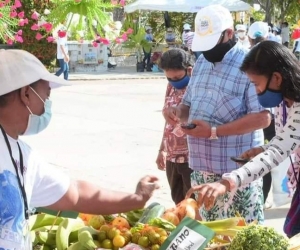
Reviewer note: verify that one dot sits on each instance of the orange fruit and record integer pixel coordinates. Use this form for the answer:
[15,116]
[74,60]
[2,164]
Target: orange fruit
[120,222]
[119,241]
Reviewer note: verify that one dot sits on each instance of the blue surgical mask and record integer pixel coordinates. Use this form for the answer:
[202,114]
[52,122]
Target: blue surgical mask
[270,98]
[181,83]
[37,123]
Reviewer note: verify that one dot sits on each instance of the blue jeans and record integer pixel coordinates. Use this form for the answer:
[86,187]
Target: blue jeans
[64,68]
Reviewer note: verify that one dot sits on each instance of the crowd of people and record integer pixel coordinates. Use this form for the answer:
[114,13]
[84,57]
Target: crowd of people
[241,99]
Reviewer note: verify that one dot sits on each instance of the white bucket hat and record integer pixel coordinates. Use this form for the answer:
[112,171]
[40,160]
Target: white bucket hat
[210,22]
[19,68]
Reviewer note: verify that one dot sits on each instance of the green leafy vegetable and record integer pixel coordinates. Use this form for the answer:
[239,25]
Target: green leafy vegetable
[133,216]
[162,223]
[258,238]
[138,227]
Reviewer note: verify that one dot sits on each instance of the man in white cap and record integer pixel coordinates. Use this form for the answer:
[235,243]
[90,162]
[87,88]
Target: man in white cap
[241,35]
[187,39]
[187,36]
[222,104]
[26,181]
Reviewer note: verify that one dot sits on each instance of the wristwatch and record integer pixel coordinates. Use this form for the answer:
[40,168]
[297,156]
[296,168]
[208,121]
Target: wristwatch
[213,135]
[232,179]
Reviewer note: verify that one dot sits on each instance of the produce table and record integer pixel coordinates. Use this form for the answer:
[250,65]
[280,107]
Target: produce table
[153,228]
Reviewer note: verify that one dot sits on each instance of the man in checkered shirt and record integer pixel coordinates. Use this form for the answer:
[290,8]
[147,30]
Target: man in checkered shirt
[222,103]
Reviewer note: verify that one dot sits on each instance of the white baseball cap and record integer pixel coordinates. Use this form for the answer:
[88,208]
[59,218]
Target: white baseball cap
[187,26]
[258,29]
[210,22]
[240,27]
[19,68]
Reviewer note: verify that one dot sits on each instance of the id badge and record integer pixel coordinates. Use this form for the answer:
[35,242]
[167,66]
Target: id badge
[27,243]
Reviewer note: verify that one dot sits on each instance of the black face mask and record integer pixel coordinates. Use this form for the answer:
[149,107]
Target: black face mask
[217,53]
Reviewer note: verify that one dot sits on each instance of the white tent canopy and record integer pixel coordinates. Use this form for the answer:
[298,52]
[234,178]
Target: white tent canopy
[189,6]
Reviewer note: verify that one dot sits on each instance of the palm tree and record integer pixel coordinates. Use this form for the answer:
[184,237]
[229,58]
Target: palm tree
[93,14]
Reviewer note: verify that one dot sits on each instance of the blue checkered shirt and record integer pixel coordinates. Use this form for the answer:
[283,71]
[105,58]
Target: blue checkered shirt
[218,94]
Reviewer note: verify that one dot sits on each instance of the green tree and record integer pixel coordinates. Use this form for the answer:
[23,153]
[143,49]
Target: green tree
[280,10]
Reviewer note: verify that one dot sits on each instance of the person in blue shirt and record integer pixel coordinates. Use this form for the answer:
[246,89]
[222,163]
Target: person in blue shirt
[147,55]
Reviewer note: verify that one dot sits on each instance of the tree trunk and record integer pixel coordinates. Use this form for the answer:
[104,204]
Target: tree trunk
[269,10]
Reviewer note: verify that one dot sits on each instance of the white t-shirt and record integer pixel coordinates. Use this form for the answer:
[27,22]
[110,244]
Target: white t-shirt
[285,34]
[286,141]
[43,185]
[61,42]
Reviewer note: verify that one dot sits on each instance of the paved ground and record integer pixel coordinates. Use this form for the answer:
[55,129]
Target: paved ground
[109,132]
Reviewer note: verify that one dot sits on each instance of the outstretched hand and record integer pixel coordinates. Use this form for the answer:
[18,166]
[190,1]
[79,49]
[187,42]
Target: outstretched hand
[146,186]
[208,193]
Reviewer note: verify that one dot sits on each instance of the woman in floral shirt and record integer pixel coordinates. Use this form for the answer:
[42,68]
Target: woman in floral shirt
[173,152]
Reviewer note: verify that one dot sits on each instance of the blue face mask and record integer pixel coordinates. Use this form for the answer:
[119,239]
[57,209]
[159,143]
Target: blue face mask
[181,83]
[270,98]
[37,123]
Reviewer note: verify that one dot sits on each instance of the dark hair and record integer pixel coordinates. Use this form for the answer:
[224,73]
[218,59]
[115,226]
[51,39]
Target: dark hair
[176,59]
[258,39]
[286,23]
[268,57]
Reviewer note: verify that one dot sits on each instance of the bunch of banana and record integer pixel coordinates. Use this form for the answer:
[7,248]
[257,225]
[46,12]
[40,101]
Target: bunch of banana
[50,232]
[225,230]
[225,227]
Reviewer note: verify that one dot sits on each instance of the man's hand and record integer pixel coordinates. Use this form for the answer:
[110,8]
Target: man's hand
[208,193]
[66,59]
[171,115]
[251,153]
[146,187]
[161,161]
[202,129]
